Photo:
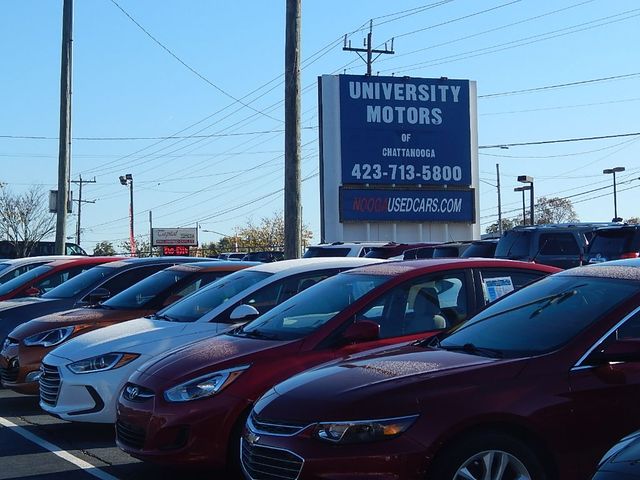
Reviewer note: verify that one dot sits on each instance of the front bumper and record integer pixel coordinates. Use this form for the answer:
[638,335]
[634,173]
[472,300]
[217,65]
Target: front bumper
[89,397]
[18,366]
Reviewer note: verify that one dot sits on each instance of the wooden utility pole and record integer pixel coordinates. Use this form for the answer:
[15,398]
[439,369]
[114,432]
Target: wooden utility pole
[499,200]
[368,49]
[64,150]
[80,202]
[292,220]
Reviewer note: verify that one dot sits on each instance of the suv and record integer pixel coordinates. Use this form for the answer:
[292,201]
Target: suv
[612,243]
[393,249]
[481,248]
[341,249]
[560,245]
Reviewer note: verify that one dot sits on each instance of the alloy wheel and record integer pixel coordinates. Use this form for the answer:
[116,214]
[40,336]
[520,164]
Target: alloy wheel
[492,465]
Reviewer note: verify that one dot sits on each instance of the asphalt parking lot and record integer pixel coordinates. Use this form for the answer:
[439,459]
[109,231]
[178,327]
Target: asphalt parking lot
[34,445]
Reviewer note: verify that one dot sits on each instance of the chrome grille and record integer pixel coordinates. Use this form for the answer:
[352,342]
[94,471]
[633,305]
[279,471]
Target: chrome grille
[130,435]
[273,427]
[266,463]
[49,384]
[10,373]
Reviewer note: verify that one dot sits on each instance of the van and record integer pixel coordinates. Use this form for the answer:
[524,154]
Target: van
[614,243]
[8,249]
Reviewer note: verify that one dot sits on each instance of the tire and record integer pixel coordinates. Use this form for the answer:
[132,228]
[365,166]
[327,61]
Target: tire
[507,457]
[233,468]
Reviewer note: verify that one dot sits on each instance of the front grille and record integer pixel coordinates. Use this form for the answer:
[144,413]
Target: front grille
[273,427]
[136,393]
[10,373]
[266,463]
[130,435]
[49,385]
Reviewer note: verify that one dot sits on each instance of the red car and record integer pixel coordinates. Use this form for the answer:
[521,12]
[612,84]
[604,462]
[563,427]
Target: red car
[535,387]
[187,406]
[46,277]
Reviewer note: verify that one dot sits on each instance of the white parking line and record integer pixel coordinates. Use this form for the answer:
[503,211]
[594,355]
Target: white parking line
[78,462]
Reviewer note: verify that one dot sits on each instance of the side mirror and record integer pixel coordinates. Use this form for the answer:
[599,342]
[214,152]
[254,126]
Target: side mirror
[98,295]
[627,350]
[362,331]
[32,292]
[244,312]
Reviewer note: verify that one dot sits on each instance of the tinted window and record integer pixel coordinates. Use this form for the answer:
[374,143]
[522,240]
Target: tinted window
[306,312]
[513,244]
[15,283]
[542,317]
[414,253]
[613,243]
[213,295]
[500,281]
[326,252]
[58,278]
[73,287]
[446,252]
[145,291]
[16,272]
[480,249]
[558,244]
[129,277]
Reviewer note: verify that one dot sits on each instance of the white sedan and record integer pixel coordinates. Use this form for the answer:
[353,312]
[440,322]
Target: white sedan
[81,379]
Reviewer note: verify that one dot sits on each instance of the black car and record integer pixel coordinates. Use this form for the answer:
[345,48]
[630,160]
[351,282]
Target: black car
[90,287]
[622,461]
[614,243]
[559,245]
[264,257]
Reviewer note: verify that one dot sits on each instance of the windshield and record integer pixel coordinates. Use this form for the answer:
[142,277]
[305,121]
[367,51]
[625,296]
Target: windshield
[612,243]
[309,310]
[513,243]
[12,273]
[326,252]
[23,279]
[202,302]
[144,292]
[80,282]
[542,317]
[3,266]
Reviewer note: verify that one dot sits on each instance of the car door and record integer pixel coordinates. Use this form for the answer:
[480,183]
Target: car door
[606,398]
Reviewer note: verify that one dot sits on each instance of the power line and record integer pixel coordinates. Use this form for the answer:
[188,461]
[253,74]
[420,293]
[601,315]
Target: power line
[565,140]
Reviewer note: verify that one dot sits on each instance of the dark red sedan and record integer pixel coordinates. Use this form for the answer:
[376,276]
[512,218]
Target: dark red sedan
[189,405]
[534,387]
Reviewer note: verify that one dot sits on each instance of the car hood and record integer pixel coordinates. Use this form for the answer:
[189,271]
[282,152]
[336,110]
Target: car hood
[623,457]
[142,335]
[21,302]
[76,316]
[206,355]
[365,386]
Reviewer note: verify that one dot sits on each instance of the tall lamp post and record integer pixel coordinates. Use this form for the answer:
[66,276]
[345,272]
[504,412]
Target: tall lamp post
[128,180]
[524,210]
[529,180]
[615,199]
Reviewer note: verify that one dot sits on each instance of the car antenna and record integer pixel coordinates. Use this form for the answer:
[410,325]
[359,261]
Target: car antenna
[544,244]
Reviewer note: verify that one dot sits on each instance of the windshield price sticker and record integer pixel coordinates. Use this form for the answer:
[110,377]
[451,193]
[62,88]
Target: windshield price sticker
[405,131]
[495,288]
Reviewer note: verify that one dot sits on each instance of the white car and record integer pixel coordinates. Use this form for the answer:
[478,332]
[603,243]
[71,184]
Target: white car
[81,379]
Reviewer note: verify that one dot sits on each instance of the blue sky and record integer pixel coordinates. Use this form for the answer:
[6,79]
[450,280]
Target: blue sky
[227,165]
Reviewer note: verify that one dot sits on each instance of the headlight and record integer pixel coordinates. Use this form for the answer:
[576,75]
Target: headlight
[362,431]
[204,386]
[49,338]
[102,362]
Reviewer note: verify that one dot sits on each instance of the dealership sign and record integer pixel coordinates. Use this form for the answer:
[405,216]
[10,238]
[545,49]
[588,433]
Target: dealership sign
[174,236]
[405,131]
[402,205]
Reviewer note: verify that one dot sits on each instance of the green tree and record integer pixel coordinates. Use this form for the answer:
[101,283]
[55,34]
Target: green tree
[104,248]
[507,224]
[554,210]
[633,220]
[143,248]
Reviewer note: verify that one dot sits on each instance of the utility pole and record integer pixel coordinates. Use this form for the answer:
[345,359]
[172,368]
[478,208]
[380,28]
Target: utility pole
[80,202]
[64,150]
[292,182]
[369,50]
[499,200]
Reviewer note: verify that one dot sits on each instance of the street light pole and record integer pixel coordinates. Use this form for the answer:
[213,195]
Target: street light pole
[615,199]
[529,180]
[524,210]
[128,180]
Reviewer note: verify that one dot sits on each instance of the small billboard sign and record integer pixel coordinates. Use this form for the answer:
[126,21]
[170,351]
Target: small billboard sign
[174,236]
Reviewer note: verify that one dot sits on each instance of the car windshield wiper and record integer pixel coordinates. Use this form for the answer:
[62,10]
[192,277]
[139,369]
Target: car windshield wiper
[255,334]
[157,316]
[474,350]
[553,300]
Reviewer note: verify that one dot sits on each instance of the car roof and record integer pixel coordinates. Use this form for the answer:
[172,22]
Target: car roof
[414,267]
[348,244]
[84,261]
[39,259]
[213,266]
[626,269]
[310,264]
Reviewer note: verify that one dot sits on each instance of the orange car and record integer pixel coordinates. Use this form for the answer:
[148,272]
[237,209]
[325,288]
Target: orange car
[27,344]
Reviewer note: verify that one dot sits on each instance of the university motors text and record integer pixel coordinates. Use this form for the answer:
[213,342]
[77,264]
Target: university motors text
[399,92]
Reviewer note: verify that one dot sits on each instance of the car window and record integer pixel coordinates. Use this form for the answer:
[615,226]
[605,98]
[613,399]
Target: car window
[199,282]
[615,242]
[17,282]
[419,305]
[326,252]
[629,329]
[513,243]
[16,272]
[129,277]
[558,244]
[497,282]
[58,278]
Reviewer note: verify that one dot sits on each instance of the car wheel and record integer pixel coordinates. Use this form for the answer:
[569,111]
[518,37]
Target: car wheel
[487,456]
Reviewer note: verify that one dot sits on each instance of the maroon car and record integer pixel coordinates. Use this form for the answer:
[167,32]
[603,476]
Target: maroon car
[187,406]
[535,387]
